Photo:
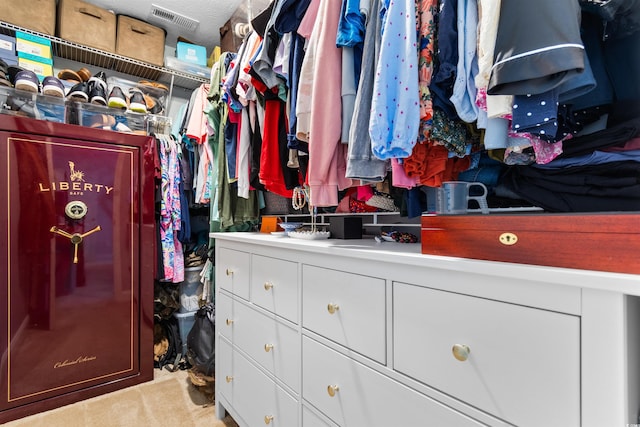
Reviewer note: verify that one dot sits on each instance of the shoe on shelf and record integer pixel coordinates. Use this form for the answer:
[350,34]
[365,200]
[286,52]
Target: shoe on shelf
[154,85]
[78,92]
[69,75]
[136,101]
[52,86]
[12,72]
[97,94]
[117,98]
[100,78]
[27,80]
[84,74]
[4,74]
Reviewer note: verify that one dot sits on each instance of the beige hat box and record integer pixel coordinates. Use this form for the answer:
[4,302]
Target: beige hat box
[36,15]
[87,24]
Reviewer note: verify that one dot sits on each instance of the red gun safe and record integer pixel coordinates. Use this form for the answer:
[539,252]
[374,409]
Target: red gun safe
[77,244]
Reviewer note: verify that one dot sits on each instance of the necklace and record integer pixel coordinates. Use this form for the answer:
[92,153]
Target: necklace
[299,198]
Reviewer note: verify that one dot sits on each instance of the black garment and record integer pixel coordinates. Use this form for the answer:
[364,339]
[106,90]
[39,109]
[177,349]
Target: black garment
[609,137]
[536,61]
[259,23]
[606,187]
[446,58]
[256,152]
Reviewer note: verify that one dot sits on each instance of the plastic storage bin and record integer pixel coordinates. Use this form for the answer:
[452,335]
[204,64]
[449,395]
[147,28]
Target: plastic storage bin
[186,67]
[185,323]
[101,117]
[27,104]
[191,290]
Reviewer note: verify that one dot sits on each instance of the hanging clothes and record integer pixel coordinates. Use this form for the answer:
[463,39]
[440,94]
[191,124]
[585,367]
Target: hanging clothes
[170,211]
[395,117]
[320,92]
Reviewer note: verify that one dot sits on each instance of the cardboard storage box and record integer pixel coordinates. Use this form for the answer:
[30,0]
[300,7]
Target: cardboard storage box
[589,241]
[138,40]
[8,50]
[192,53]
[7,45]
[36,15]
[86,24]
[43,67]
[33,45]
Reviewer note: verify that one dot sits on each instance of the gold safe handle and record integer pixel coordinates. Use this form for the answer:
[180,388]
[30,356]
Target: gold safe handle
[75,238]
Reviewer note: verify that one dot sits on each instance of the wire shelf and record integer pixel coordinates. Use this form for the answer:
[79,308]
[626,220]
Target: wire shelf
[110,61]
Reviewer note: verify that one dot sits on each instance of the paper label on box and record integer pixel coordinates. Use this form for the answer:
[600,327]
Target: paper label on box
[6,45]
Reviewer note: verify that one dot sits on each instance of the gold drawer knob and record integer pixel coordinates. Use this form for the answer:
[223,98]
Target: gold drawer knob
[229,322]
[332,308]
[229,272]
[228,378]
[332,390]
[268,419]
[268,285]
[268,347]
[508,239]
[461,352]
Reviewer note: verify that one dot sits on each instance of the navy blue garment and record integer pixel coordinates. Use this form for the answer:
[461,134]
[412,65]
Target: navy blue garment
[446,58]
[536,114]
[622,59]
[230,144]
[291,13]
[184,234]
[295,65]
[602,94]
[487,171]
[416,202]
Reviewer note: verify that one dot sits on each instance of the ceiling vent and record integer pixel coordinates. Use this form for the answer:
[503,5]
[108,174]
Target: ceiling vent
[175,18]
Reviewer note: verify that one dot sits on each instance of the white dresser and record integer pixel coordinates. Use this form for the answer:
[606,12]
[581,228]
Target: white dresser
[356,333]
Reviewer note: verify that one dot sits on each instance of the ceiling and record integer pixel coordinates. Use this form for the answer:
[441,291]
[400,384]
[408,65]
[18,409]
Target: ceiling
[198,21]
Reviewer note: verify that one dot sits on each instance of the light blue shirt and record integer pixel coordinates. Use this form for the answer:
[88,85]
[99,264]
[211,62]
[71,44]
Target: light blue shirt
[395,109]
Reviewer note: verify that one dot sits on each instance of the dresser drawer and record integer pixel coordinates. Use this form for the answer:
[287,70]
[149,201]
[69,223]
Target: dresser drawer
[274,345]
[346,308]
[274,286]
[523,363]
[258,399]
[232,271]
[352,394]
[310,419]
[224,315]
[224,369]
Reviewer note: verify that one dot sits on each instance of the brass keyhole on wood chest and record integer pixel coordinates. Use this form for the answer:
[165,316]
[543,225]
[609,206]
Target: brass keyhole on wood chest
[508,239]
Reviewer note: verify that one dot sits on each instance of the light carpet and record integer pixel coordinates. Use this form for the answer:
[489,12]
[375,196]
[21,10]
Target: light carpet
[167,401]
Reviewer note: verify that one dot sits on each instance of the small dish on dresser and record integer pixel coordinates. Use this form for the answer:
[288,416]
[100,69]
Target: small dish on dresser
[309,235]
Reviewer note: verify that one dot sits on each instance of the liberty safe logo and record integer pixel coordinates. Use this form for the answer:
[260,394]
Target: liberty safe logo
[75,175]
[76,185]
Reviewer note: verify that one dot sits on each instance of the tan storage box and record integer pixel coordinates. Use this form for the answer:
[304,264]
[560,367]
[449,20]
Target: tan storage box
[138,40]
[86,24]
[36,15]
